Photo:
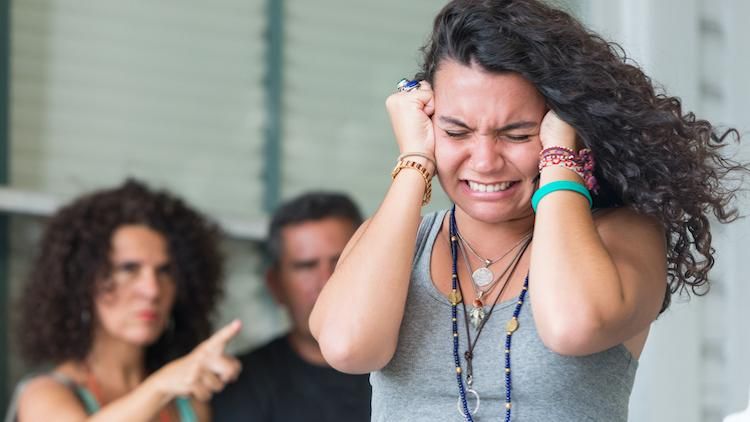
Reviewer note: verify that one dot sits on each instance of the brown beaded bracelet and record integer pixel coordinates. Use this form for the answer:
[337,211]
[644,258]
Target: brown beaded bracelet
[405,164]
[418,154]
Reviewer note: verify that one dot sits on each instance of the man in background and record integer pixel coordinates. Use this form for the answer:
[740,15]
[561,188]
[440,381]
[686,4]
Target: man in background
[288,379]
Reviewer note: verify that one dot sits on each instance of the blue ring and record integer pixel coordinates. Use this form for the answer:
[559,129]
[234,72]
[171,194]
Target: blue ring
[406,85]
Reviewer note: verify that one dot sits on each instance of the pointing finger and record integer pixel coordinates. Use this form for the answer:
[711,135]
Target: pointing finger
[225,334]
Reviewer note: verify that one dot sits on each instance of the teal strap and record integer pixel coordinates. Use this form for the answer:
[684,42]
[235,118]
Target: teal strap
[185,409]
[184,406]
[88,399]
[556,186]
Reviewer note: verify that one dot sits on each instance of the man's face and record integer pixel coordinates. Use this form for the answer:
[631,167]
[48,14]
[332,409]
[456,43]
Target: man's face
[309,252]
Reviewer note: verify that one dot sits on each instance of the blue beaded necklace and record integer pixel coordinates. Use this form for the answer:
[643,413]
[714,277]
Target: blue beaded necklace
[455,298]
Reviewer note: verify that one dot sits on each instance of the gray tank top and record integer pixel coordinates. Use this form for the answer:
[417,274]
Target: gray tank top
[419,383]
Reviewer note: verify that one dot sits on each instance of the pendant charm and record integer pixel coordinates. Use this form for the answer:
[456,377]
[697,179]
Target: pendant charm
[469,391]
[477,316]
[482,276]
[511,326]
[454,297]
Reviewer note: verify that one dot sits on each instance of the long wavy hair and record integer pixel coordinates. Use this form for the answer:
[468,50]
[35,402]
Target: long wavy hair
[650,155]
[57,305]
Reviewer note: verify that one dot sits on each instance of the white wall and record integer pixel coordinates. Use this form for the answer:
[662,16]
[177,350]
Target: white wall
[694,367]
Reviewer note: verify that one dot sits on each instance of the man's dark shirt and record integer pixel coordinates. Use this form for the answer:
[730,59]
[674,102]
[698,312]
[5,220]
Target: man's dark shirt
[277,385]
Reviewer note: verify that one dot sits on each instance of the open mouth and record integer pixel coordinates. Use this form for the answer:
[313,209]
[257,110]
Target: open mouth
[492,187]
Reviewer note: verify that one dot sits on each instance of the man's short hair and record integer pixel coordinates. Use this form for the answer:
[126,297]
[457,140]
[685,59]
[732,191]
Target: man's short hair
[310,206]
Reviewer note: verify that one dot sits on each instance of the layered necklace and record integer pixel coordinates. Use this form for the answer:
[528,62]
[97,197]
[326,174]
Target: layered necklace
[455,297]
[483,276]
[483,280]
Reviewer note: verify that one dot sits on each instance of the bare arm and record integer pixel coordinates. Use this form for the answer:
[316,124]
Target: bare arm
[357,316]
[594,284]
[45,399]
[199,374]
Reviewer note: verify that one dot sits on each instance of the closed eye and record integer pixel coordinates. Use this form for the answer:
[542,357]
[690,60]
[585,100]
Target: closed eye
[455,134]
[518,138]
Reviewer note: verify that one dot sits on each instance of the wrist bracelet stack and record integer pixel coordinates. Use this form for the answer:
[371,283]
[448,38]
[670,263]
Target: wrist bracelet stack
[418,154]
[581,162]
[407,164]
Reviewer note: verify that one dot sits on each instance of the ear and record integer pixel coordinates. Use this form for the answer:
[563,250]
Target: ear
[273,283]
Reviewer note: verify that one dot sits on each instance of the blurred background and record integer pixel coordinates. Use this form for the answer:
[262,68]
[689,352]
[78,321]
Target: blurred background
[238,104]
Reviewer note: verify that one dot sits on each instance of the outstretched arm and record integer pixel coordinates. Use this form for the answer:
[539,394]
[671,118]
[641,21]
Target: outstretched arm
[199,374]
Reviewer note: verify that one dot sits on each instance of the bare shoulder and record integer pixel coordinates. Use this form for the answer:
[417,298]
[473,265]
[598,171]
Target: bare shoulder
[624,223]
[45,398]
[637,245]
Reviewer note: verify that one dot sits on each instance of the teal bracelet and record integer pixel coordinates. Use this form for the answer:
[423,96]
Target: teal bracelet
[556,186]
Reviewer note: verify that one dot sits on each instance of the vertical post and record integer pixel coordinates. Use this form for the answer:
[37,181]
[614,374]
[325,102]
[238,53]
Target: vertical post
[4,241]
[273,91]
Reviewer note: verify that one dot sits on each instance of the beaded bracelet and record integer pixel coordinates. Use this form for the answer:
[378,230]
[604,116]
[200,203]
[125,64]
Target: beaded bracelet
[582,163]
[405,164]
[418,154]
[559,185]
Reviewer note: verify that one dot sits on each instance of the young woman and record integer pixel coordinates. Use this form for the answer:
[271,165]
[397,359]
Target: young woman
[582,200]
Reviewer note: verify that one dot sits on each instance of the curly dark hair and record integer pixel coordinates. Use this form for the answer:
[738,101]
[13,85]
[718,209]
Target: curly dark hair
[74,255]
[650,156]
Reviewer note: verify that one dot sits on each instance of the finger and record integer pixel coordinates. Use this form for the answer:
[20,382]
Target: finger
[226,367]
[225,334]
[200,392]
[425,86]
[429,108]
[212,382]
[419,94]
[424,96]
[236,370]
[402,102]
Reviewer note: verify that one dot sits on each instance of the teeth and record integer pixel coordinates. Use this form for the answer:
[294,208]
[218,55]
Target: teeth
[497,187]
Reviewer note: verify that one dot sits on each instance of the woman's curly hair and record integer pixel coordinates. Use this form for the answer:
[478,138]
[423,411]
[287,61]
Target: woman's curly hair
[650,156]
[57,305]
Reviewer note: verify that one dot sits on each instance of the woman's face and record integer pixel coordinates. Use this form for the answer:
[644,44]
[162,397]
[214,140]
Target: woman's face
[487,140]
[134,303]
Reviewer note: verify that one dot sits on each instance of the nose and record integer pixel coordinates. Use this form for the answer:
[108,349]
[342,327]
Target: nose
[486,156]
[148,284]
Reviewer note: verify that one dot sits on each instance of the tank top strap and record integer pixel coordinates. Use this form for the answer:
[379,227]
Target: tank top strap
[84,395]
[184,406]
[185,409]
[426,227]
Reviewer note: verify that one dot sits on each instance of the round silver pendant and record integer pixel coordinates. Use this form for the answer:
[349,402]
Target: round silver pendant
[476,407]
[482,276]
